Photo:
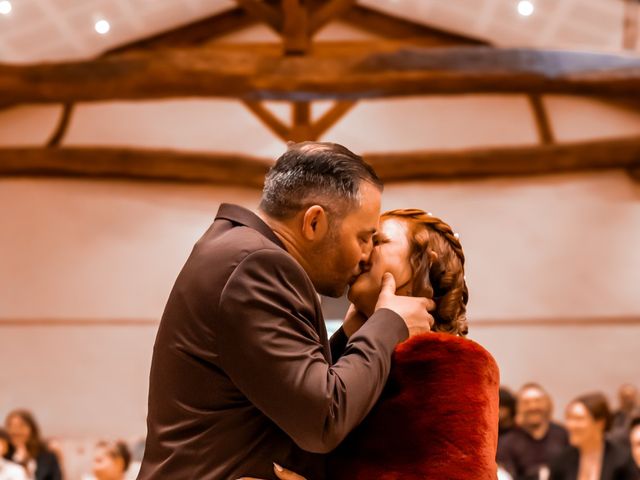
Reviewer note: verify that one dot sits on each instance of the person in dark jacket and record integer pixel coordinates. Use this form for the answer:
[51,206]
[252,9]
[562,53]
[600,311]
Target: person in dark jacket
[28,449]
[526,450]
[590,455]
[242,373]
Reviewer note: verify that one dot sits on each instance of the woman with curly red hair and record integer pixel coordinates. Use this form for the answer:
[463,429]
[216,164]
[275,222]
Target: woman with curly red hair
[426,259]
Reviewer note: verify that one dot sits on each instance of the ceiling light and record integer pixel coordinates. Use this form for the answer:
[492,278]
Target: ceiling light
[5,7]
[102,27]
[525,8]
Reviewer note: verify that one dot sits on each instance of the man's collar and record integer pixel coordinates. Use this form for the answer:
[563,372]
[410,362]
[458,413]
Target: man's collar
[243,216]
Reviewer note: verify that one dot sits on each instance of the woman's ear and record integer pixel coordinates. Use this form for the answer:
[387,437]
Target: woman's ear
[315,223]
[433,256]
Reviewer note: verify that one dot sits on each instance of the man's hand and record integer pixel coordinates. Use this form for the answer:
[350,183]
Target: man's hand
[413,310]
[282,473]
[353,321]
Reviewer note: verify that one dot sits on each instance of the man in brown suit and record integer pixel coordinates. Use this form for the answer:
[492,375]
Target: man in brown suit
[243,374]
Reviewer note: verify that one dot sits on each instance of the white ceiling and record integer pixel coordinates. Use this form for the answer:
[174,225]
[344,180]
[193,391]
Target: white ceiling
[39,30]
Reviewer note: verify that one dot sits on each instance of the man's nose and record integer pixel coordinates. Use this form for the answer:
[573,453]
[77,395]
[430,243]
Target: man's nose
[367,259]
[364,267]
[366,254]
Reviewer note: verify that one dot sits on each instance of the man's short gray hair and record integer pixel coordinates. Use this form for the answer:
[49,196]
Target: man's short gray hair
[315,173]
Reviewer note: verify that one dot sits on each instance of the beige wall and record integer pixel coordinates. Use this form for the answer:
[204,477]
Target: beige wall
[88,257]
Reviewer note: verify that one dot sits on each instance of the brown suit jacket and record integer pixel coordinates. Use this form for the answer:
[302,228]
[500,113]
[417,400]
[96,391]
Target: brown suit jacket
[242,374]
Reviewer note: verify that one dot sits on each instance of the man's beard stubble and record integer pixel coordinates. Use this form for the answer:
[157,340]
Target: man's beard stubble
[327,261]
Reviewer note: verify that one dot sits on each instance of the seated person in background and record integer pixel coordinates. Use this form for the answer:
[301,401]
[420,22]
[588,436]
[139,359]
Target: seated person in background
[8,469]
[628,399]
[526,450]
[590,456]
[507,412]
[28,449]
[629,408]
[634,440]
[111,461]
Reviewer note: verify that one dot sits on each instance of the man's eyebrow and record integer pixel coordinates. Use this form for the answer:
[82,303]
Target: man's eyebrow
[371,231]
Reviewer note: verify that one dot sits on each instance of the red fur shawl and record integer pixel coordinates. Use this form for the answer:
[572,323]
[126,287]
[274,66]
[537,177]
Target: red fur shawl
[437,418]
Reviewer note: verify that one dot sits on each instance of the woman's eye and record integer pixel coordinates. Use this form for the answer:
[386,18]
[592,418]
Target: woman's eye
[379,240]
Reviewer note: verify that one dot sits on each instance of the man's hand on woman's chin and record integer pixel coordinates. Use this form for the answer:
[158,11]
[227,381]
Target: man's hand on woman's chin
[281,473]
[353,321]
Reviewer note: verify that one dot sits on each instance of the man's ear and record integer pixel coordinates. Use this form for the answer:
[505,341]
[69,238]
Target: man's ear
[315,223]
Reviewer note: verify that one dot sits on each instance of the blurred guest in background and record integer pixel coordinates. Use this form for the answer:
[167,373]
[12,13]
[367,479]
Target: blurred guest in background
[28,449]
[629,407]
[590,456]
[507,412]
[111,461]
[526,450]
[628,398]
[634,440]
[8,469]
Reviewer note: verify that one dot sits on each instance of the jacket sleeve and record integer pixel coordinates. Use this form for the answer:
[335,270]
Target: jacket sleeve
[338,343]
[269,346]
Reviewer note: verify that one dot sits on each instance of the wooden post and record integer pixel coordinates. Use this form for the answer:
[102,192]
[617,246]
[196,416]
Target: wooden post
[301,129]
[295,33]
[63,125]
[545,134]
[269,120]
[631,24]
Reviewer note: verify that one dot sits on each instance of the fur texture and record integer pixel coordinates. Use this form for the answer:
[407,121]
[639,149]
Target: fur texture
[437,418]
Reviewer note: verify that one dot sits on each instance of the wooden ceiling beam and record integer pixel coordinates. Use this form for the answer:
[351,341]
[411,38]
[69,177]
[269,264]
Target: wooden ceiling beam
[269,120]
[328,11]
[512,161]
[301,129]
[395,28]
[62,127]
[302,126]
[265,12]
[295,30]
[543,123]
[193,34]
[240,170]
[331,117]
[339,70]
[132,164]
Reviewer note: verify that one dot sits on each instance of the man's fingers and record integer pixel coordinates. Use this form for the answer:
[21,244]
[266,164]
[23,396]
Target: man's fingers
[430,305]
[285,474]
[388,284]
[431,322]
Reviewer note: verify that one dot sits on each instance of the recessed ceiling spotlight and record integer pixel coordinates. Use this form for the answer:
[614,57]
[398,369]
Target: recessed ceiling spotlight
[5,7]
[525,8]
[102,27]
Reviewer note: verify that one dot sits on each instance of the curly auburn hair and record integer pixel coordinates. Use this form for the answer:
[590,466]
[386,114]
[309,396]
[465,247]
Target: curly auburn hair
[441,279]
